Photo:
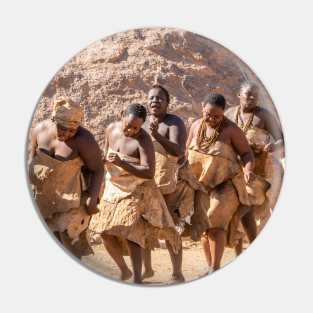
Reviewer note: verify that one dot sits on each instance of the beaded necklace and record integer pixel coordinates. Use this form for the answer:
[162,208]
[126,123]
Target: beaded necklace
[203,141]
[244,127]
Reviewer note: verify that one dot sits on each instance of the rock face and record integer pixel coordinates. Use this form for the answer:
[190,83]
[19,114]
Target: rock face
[120,69]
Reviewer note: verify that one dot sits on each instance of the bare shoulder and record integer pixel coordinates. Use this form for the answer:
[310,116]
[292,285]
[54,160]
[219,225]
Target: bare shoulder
[196,123]
[264,113]
[85,139]
[43,125]
[87,144]
[172,119]
[111,126]
[230,126]
[113,129]
[144,138]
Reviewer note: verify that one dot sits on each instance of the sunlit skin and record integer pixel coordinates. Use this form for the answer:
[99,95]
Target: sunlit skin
[262,119]
[214,240]
[169,130]
[63,143]
[128,138]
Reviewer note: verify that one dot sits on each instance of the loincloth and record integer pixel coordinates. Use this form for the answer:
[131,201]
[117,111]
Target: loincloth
[166,170]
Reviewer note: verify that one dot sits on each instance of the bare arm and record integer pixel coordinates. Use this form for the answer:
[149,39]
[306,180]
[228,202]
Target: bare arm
[272,125]
[241,145]
[274,128]
[90,153]
[106,142]
[191,134]
[176,143]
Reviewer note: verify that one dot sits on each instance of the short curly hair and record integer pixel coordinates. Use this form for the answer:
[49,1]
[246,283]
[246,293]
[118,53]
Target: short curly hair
[249,86]
[136,109]
[215,99]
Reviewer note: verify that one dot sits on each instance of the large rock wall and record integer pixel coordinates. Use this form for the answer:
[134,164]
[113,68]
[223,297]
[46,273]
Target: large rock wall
[120,69]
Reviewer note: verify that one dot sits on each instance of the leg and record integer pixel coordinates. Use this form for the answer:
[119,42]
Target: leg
[114,249]
[66,241]
[238,247]
[217,242]
[136,259]
[177,261]
[249,225]
[206,249]
[149,272]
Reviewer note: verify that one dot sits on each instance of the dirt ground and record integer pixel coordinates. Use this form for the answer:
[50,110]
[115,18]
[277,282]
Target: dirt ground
[194,263]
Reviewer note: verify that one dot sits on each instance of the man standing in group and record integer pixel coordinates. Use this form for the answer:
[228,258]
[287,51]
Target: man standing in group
[58,150]
[214,144]
[172,176]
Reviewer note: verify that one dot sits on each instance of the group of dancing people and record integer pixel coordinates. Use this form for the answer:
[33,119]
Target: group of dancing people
[155,181]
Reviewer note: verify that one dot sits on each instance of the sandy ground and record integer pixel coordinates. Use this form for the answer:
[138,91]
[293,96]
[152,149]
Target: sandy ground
[194,263]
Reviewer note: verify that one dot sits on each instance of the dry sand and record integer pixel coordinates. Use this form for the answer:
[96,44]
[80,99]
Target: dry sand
[194,263]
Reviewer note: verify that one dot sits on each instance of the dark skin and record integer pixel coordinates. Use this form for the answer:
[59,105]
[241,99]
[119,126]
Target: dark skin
[170,131]
[214,240]
[128,138]
[230,134]
[262,119]
[66,144]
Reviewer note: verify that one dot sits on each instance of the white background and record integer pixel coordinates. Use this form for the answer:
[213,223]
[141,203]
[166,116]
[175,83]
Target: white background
[274,38]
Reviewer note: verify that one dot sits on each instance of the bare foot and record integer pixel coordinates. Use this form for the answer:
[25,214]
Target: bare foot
[178,277]
[148,274]
[126,275]
[138,281]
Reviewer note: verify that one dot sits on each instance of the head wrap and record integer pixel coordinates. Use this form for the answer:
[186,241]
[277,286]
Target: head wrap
[67,113]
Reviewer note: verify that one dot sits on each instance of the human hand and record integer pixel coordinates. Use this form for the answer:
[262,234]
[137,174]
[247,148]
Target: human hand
[153,127]
[114,158]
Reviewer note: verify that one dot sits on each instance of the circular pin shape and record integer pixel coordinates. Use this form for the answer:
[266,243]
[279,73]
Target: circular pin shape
[156,156]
